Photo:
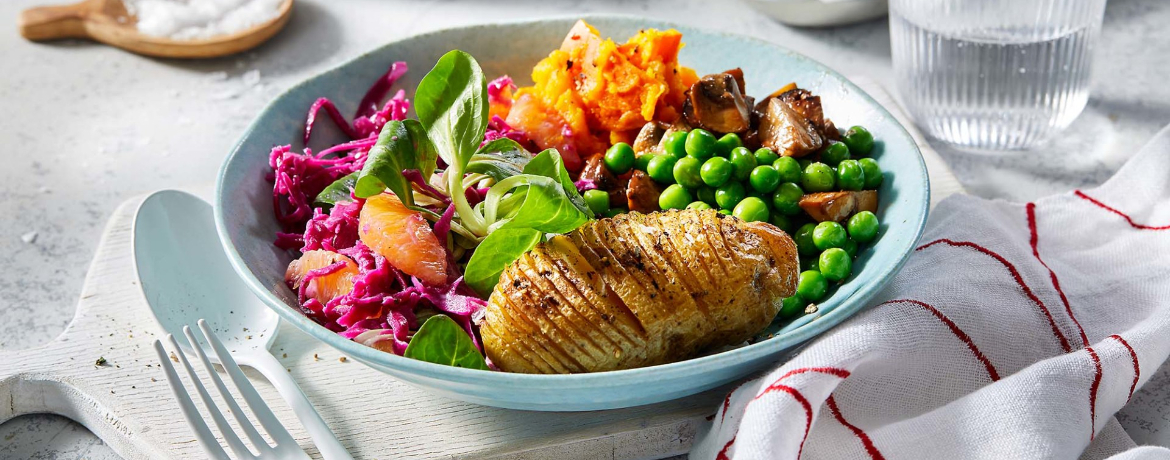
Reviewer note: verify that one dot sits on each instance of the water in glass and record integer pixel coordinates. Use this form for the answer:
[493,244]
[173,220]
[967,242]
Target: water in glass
[994,74]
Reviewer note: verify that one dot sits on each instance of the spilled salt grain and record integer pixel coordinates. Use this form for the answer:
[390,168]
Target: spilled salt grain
[29,238]
[251,77]
[225,95]
[200,19]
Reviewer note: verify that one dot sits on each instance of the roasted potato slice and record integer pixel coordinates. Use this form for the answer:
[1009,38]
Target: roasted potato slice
[638,290]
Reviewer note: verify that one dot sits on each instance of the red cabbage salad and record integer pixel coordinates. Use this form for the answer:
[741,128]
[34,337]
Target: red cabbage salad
[401,232]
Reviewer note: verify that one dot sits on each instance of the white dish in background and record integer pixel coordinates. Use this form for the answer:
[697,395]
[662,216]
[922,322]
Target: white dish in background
[821,13]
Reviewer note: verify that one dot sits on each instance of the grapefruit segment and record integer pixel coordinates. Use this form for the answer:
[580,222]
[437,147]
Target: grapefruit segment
[327,287]
[403,237]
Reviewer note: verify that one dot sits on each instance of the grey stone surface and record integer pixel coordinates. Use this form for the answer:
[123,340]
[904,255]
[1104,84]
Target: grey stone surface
[87,127]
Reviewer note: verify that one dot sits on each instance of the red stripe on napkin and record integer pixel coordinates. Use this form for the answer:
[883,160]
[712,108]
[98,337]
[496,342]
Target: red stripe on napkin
[1137,368]
[1122,214]
[1035,240]
[991,372]
[870,449]
[1019,280]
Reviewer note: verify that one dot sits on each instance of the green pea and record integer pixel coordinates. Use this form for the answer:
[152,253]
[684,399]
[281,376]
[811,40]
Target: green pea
[700,144]
[834,153]
[764,179]
[766,156]
[613,212]
[674,197]
[873,173]
[851,247]
[786,200]
[788,168]
[804,162]
[727,143]
[850,176]
[804,240]
[859,140]
[699,205]
[642,161]
[818,177]
[661,168]
[726,212]
[835,264]
[619,158]
[863,226]
[782,222]
[686,172]
[744,161]
[597,200]
[675,144]
[716,171]
[829,234]
[792,306]
[706,195]
[811,285]
[751,209]
[728,195]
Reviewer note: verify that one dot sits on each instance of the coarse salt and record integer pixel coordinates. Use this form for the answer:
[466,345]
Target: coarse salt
[200,19]
[251,77]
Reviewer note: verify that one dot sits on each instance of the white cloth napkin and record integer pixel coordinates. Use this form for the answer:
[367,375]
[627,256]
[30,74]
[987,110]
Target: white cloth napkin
[1014,331]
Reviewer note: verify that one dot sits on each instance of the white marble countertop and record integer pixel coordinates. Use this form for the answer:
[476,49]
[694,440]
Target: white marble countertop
[88,126]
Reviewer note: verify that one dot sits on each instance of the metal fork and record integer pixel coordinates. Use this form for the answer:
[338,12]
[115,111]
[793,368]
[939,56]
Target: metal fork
[286,447]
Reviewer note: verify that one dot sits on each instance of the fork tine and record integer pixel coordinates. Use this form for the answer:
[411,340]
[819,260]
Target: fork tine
[229,435]
[241,419]
[259,408]
[202,432]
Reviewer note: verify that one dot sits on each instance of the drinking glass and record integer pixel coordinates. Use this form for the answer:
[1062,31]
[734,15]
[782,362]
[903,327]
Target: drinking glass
[994,74]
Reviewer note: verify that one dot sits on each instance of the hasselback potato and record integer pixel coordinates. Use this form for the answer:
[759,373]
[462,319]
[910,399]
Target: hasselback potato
[638,290]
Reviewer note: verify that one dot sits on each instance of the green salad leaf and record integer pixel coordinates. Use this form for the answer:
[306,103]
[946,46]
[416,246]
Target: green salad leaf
[499,159]
[401,145]
[451,103]
[337,191]
[546,207]
[550,164]
[440,340]
[495,253]
[543,198]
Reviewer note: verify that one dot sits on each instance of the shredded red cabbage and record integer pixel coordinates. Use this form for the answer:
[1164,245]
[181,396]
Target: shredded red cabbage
[495,90]
[299,177]
[497,128]
[584,185]
[382,304]
[416,178]
[367,120]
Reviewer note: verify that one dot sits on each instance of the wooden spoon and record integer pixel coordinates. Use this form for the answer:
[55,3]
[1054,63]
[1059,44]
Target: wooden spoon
[107,21]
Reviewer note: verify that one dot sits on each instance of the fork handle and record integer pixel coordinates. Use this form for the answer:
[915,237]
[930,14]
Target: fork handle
[278,376]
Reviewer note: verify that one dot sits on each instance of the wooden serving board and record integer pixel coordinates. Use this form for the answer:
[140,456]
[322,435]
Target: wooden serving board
[127,403]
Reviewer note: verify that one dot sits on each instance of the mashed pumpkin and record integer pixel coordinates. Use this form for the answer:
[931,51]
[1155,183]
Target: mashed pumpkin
[591,92]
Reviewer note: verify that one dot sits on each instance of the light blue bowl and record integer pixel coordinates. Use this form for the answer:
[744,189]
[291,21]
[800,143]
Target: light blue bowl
[243,208]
